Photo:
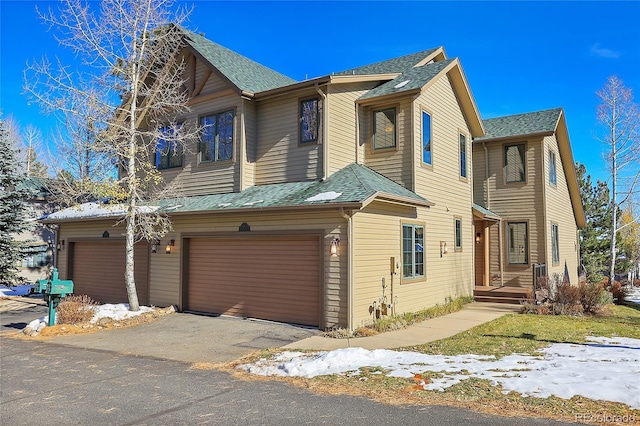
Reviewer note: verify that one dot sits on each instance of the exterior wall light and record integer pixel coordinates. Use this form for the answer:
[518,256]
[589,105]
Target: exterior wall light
[478,238]
[60,245]
[335,243]
[154,246]
[443,248]
[170,244]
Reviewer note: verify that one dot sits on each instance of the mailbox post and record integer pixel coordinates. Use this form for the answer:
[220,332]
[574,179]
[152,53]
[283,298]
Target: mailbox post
[53,291]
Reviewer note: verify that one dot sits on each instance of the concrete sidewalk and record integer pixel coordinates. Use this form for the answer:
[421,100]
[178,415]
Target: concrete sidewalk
[426,331]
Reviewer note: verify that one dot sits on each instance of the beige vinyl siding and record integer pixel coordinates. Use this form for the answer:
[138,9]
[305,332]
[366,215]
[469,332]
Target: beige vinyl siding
[280,157]
[560,211]
[479,174]
[213,84]
[329,223]
[451,274]
[250,124]
[342,123]
[517,202]
[378,237]
[394,163]
[215,177]
[165,278]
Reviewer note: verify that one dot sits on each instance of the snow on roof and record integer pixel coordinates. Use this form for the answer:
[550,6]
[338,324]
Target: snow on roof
[325,196]
[93,210]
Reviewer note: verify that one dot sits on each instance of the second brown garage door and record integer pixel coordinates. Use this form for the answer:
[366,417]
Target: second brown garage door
[274,278]
[97,270]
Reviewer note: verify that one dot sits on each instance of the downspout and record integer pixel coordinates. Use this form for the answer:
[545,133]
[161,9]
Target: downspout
[243,146]
[325,132]
[501,250]
[349,217]
[357,133]
[544,211]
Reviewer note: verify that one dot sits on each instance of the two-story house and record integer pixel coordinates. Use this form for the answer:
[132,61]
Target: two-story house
[325,202]
[529,208]
[320,202]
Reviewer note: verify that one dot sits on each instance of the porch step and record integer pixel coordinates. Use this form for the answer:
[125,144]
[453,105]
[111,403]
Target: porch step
[509,300]
[511,295]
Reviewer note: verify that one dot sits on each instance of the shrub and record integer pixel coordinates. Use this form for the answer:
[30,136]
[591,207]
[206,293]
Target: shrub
[530,306]
[593,297]
[75,309]
[618,292]
[567,300]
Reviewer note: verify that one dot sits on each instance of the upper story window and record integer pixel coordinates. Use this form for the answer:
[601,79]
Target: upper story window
[309,120]
[517,243]
[216,142]
[555,244]
[169,149]
[427,154]
[553,178]
[514,163]
[463,156]
[412,251]
[384,128]
[458,233]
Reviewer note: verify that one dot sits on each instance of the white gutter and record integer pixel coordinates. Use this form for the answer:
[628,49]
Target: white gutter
[349,218]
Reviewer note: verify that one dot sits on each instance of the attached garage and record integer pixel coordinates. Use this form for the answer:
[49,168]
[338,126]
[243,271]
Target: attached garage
[97,270]
[269,277]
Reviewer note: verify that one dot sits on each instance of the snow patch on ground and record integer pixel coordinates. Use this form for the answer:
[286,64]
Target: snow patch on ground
[633,295]
[117,312]
[601,369]
[19,290]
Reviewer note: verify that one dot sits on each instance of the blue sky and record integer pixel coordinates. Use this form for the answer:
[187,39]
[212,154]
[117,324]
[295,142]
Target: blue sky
[517,56]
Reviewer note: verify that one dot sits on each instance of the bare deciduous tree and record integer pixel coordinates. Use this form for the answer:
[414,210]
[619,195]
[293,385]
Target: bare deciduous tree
[620,117]
[133,74]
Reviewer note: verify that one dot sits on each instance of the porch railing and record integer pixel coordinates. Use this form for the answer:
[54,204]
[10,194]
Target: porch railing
[539,273]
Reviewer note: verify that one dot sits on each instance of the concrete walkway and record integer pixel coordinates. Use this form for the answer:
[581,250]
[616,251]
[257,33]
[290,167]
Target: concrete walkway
[426,331]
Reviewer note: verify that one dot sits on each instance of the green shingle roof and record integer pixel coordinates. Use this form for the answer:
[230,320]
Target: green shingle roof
[485,212]
[390,65]
[522,124]
[415,78]
[352,184]
[244,73]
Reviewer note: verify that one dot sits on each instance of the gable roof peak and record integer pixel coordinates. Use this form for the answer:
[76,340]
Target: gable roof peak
[245,74]
[528,123]
[398,64]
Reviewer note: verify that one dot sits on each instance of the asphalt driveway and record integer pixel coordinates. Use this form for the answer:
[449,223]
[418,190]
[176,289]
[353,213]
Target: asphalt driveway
[191,338]
[17,312]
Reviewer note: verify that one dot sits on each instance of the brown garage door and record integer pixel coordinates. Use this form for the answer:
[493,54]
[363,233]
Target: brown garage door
[274,278]
[97,270]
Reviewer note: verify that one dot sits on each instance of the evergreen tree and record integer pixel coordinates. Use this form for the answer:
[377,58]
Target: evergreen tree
[596,236]
[13,207]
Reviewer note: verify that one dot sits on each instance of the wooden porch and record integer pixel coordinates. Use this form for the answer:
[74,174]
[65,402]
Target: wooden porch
[512,295]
